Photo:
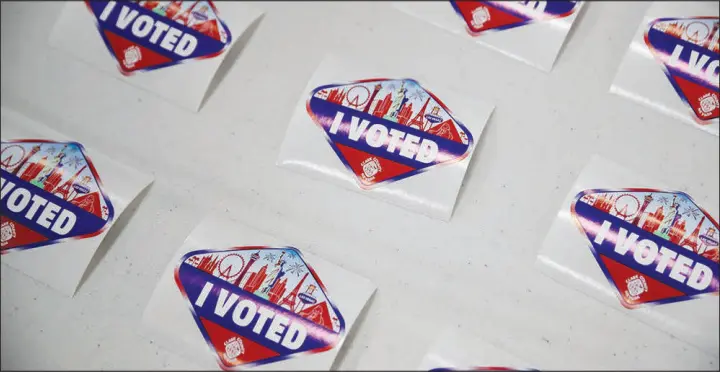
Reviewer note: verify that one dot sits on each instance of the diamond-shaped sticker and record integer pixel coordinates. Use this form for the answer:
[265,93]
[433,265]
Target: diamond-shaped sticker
[258,305]
[385,130]
[147,35]
[50,192]
[687,49]
[653,246]
[481,16]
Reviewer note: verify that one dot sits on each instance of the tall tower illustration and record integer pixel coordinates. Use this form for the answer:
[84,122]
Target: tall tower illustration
[291,298]
[419,119]
[254,257]
[691,241]
[646,202]
[376,90]
[712,36]
[24,160]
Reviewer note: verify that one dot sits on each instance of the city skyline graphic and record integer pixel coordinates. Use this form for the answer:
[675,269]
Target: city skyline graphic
[278,275]
[671,216]
[198,15]
[401,101]
[702,32]
[59,168]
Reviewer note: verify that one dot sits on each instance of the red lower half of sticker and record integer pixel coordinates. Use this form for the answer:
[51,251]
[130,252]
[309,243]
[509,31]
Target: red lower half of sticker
[132,57]
[233,349]
[370,168]
[16,235]
[636,288]
[702,100]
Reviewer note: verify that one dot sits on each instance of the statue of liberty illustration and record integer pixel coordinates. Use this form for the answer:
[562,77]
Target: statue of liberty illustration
[398,100]
[50,166]
[272,278]
[670,218]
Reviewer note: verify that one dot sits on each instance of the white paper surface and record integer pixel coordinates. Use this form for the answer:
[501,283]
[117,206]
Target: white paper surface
[455,350]
[566,257]
[537,44]
[640,76]
[62,265]
[184,84]
[167,317]
[433,193]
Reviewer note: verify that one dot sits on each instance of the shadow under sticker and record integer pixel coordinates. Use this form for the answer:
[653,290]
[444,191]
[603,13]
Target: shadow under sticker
[258,305]
[654,246]
[147,35]
[50,192]
[385,130]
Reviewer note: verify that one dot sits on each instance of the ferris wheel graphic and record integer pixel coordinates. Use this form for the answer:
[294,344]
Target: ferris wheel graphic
[626,206]
[230,266]
[11,156]
[357,96]
[697,32]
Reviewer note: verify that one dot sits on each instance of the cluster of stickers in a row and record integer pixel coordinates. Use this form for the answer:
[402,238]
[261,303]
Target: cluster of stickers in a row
[252,298]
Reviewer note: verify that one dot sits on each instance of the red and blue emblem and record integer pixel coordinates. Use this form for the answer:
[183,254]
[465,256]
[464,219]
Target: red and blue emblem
[147,35]
[655,247]
[687,49]
[258,305]
[50,193]
[481,16]
[385,130]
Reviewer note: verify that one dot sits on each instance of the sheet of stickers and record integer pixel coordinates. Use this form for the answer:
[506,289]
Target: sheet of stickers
[236,298]
[397,139]
[59,199]
[172,48]
[453,351]
[529,31]
[641,248]
[673,65]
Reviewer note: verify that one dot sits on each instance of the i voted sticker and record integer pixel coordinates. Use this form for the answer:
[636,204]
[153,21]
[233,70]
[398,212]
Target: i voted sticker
[653,246]
[147,35]
[481,16]
[50,192]
[385,130]
[687,49]
[258,305]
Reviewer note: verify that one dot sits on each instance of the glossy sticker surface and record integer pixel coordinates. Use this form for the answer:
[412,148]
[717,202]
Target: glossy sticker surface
[51,192]
[386,130]
[147,35]
[258,305]
[653,246]
[687,49]
[481,16]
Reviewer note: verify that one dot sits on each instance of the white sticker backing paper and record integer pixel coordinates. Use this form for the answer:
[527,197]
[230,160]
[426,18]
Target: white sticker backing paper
[396,139]
[529,31]
[172,48]
[455,352]
[239,298]
[672,63]
[640,248]
[59,199]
